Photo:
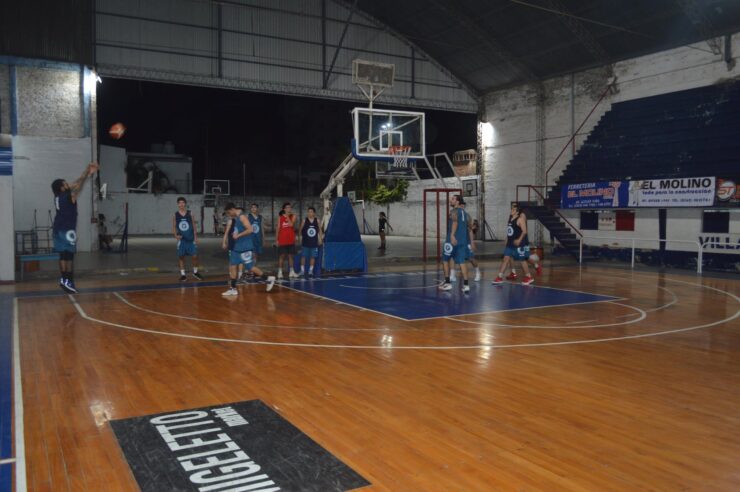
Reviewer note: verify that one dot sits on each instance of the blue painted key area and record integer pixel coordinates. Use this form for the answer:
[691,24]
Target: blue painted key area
[6,389]
[414,296]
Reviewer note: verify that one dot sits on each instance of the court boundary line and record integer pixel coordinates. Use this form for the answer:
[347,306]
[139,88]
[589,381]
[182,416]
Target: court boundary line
[20,441]
[84,315]
[242,324]
[642,313]
[329,328]
[663,306]
[451,316]
[392,288]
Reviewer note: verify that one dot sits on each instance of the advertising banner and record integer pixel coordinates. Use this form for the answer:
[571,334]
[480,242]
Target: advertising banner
[677,192]
[602,194]
[728,193]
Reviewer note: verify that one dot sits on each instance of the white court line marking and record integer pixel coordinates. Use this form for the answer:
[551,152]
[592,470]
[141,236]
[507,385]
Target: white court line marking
[452,316]
[238,323]
[535,286]
[330,328]
[20,442]
[7,461]
[392,288]
[663,306]
[408,347]
[592,320]
[642,314]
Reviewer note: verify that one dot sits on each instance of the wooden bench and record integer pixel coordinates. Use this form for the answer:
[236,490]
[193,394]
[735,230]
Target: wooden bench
[37,257]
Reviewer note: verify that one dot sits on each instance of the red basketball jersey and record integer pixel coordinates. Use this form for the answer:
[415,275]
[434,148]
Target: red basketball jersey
[286,232]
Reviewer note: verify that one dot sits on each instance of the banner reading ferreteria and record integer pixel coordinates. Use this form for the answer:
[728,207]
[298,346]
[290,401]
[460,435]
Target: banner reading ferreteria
[602,194]
[658,193]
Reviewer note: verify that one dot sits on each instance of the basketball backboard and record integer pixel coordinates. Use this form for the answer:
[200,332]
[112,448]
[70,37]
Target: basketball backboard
[377,130]
[216,187]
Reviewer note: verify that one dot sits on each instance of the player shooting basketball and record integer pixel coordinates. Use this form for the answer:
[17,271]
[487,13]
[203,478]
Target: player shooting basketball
[65,224]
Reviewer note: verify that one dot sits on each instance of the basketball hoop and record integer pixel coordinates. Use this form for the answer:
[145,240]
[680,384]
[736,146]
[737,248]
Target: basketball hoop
[400,155]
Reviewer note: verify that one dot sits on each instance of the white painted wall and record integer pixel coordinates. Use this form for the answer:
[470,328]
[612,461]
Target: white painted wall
[407,217]
[152,214]
[148,213]
[509,137]
[37,162]
[113,168]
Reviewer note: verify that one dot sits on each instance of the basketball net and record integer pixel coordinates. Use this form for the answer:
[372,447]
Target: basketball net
[400,155]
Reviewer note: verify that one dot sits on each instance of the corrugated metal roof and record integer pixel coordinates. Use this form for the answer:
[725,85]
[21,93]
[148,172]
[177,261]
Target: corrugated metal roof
[492,44]
[47,29]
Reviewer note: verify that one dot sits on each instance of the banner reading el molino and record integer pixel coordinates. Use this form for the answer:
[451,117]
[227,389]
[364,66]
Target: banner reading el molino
[601,194]
[677,192]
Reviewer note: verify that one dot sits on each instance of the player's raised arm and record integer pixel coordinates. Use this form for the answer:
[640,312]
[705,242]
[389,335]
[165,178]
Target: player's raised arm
[77,185]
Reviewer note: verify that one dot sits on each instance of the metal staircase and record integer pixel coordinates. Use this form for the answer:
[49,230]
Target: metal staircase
[541,208]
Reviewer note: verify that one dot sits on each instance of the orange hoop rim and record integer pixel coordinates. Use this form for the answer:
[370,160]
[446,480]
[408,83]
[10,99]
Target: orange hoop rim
[399,149]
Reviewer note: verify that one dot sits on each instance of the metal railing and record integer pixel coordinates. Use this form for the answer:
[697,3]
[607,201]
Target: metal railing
[699,247]
[543,199]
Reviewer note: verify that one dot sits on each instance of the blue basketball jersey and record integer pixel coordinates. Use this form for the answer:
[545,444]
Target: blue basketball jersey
[66,217]
[513,231]
[256,226]
[184,224]
[461,234]
[243,243]
[310,233]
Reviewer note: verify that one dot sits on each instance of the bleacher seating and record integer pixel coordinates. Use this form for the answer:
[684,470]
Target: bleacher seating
[688,133]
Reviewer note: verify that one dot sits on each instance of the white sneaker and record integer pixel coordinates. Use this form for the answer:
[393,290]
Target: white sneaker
[466,288]
[445,286]
[293,274]
[477,276]
[280,275]
[230,293]
[270,282]
[453,278]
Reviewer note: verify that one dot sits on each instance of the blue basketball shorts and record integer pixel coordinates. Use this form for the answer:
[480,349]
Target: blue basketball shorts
[65,241]
[310,252]
[519,254]
[456,253]
[245,258]
[186,248]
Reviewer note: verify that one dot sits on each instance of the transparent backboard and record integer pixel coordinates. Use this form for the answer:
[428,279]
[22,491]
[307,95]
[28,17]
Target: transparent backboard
[216,187]
[377,130]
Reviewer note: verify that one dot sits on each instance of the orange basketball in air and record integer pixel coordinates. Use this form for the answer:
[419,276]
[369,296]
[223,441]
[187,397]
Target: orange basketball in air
[116,131]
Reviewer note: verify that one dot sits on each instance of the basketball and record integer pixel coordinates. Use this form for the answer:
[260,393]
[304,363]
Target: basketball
[534,257]
[117,131]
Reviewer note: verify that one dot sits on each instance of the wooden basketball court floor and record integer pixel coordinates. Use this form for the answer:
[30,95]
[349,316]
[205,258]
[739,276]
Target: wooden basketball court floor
[634,388]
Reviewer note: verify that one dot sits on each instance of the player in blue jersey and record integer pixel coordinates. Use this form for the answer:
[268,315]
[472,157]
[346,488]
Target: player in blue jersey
[228,245]
[258,238]
[64,228]
[470,253]
[456,244]
[310,241]
[183,228]
[243,252]
[517,245]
